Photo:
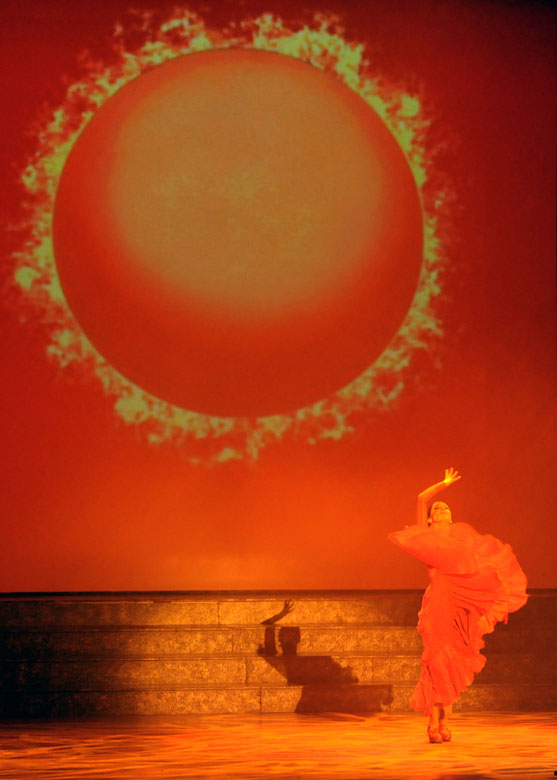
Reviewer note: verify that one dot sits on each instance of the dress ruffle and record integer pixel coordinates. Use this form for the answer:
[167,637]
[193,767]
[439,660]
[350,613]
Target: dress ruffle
[475,582]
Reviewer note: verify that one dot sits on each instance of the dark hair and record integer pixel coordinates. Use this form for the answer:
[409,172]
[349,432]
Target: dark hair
[430,507]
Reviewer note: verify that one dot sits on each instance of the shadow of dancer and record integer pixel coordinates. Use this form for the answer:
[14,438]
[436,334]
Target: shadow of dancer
[326,685]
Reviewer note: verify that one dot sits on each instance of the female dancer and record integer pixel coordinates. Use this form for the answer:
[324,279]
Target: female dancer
[475,581]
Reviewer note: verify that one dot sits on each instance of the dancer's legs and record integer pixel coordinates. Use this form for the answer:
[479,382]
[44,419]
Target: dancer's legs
[445,712]
[433,726]
[438,730]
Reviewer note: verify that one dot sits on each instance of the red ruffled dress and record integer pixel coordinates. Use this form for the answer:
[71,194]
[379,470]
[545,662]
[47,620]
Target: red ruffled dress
[475,582]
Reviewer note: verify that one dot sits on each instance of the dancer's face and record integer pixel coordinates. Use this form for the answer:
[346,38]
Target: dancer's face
[440,514]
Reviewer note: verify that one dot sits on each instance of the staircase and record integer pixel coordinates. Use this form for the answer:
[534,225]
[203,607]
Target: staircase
[70,655]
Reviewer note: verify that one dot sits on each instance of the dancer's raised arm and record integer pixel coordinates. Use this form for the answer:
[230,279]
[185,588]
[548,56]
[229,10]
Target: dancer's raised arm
[427,495]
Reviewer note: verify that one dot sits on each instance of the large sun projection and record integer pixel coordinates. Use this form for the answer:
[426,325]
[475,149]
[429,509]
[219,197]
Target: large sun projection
[233,229]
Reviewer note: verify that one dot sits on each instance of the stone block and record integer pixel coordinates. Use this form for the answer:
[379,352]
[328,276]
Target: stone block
[117,703]
[371,610]
[518,668]
[249,611]
[143,642]
[401,698]
[299,670]
[114,675]
[539,610]
[516,696]
[129,642]
[280,699]
[327,698]
[339,640]
[396,668]
[516,637]
[107,612]
[307,669]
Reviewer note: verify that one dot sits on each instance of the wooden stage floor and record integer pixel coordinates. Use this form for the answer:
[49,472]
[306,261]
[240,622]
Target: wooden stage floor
[333,746]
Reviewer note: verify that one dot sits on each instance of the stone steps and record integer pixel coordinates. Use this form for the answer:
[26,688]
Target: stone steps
[376,609]
[119,673]
[132,641]
[70,655]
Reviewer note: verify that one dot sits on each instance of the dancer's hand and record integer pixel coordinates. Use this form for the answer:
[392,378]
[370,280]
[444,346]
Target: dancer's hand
[288,607]
[451,476]
[426,496]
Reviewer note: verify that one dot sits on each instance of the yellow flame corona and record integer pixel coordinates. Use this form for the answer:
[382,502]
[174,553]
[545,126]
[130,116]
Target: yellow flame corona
[212,440]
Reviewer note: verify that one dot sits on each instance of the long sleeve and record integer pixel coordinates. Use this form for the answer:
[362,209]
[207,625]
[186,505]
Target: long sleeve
[446,549]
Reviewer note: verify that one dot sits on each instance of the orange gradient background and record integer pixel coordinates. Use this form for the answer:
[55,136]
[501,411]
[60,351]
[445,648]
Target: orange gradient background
[88,504]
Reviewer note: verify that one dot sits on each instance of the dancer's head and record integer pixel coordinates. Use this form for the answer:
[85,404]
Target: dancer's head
[439,514]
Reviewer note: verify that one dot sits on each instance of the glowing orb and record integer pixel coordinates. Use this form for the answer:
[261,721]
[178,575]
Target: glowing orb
[238,233]
[140,44]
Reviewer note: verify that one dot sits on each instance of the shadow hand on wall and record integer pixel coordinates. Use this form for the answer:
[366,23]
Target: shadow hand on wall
[327,685]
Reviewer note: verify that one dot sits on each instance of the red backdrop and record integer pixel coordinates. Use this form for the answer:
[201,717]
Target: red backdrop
[88,504]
